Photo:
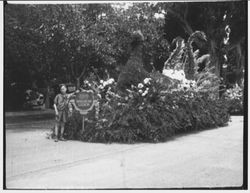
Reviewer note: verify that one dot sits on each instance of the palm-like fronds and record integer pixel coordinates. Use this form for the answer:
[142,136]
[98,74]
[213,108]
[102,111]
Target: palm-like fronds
[197,36]
[190,66]
[175,58]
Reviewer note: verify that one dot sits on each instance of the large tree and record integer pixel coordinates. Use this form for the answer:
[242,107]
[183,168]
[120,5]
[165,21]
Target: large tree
[47,44]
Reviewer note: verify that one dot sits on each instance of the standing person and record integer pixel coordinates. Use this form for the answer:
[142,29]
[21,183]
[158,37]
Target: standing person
[61,110]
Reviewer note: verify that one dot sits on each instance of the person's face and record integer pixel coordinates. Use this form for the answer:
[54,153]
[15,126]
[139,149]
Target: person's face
[63,89]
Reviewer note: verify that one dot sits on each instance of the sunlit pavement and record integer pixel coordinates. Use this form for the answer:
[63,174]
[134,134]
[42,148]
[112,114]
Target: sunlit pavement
[211,158]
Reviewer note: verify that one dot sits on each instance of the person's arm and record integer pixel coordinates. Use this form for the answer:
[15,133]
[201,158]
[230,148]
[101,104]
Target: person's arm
[56,111]
[55,107]
[73,93]
[69,95]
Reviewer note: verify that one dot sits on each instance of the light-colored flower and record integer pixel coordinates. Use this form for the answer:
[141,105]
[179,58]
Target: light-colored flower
[129,90]
[110,81]
[140,91]
[206,82]
[146,80]
[100,96]
[145,93]
[140,85]
[101,81]
[105,83]
[104,120]
[100,87]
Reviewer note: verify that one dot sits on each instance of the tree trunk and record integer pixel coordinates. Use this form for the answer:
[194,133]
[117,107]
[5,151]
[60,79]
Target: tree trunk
[214,57]
[47,99]
[78,84]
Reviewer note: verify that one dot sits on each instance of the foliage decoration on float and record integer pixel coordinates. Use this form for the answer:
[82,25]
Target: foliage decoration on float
[149,114]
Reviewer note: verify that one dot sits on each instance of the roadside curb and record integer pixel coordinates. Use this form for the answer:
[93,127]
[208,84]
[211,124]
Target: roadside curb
[29,113]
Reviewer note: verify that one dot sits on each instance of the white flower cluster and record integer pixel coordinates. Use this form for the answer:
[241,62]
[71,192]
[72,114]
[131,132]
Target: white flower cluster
[235,92]
[146,81]
[86,82]
[180,75]
[206,84]
[104,120]
[187,84]
[121,104]
[106,83]
[140,85]
[175,74]
[112,94]
[145,92]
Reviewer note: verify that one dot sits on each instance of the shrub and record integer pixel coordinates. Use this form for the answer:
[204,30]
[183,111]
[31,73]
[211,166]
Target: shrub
[133,72]
[234,100]
[150,114]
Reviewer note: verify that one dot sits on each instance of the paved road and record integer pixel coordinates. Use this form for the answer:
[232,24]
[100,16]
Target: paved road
[29,116]
[211,158]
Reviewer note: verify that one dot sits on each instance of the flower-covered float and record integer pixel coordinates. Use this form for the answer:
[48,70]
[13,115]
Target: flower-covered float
[151,107]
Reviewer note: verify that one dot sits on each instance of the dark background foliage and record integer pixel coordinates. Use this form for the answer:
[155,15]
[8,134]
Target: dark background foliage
[49,44]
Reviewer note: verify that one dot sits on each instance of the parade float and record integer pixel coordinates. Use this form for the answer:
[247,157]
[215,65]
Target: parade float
[152,106]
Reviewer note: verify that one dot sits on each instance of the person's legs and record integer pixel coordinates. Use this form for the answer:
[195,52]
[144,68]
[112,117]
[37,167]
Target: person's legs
[62,129]
[56,131]
[57,125]
[64,119]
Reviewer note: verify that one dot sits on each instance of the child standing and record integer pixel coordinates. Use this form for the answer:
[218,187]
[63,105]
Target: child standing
[61,111]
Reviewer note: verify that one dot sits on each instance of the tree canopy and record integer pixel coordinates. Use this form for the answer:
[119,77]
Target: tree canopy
[65,42]
[68,41]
